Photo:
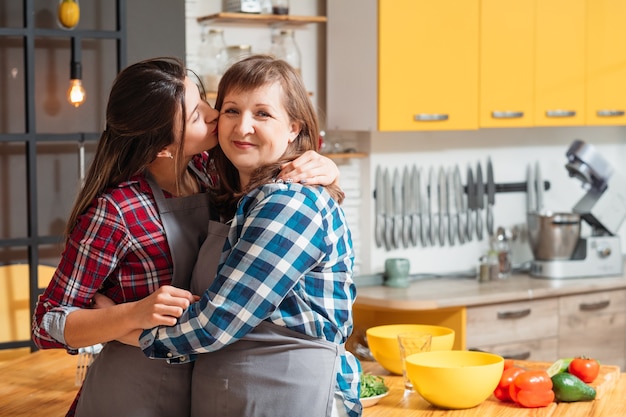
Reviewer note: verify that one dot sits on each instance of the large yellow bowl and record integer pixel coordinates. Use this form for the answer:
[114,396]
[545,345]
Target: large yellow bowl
[454,379]
[383,342]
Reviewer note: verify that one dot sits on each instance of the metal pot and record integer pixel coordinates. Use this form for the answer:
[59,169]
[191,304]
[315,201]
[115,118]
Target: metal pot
[553,236]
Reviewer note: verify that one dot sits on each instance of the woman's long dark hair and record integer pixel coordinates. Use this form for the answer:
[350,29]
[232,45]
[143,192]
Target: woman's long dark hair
[145,100]
[247,75]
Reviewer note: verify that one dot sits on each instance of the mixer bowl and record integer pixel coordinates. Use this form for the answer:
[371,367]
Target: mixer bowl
[553,236]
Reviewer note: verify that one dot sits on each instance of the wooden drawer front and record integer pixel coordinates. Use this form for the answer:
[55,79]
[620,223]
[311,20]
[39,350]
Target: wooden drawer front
[594,325]
[512,322]
[542,350]
[604,302]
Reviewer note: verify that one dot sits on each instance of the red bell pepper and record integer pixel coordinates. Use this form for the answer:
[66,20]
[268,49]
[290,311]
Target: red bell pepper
[532,389]
[508,375]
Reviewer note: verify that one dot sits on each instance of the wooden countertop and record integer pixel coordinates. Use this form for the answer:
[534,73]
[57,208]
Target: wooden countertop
[39,384]
[399,404]
[42,384]
[429,294]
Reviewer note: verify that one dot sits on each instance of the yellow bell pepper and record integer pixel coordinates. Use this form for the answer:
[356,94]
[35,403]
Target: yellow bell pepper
[69,13]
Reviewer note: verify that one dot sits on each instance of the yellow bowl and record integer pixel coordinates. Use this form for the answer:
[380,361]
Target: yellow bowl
[383,342]
[454,379]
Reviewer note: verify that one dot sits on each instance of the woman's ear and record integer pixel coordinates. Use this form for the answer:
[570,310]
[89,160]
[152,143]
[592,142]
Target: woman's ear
[165,153]
[294,131]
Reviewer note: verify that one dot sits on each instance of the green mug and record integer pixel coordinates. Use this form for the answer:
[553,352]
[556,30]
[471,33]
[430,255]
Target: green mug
[397,272]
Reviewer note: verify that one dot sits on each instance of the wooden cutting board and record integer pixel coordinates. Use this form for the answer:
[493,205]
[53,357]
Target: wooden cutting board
[605,382]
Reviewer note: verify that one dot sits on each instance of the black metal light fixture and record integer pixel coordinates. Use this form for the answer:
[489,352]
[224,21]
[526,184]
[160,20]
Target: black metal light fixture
[76,92]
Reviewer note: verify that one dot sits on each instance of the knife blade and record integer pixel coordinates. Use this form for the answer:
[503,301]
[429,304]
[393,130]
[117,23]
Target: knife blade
[531,200]
[539,187]
[471,192]
[461,205]
[388,211]
[397,208]
[415,206]
[480,201]
[432,206]
[491,196]
[406,207]
[451,208]
[379,230]
[424,210]
[442,192]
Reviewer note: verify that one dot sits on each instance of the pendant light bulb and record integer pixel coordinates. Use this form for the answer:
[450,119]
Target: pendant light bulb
[76,92]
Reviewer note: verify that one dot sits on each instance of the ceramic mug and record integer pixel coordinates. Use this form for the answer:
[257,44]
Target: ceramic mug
[397,272]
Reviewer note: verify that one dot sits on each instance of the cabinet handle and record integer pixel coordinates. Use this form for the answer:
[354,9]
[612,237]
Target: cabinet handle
[560,113]
[518,356]
[503,315]
[425,117]
[594,306]
[610,113]
[507,114]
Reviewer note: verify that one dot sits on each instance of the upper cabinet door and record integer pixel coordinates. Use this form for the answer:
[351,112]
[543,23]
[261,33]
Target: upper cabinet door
[606,62]
[560,63]
[428,65]
[507,60]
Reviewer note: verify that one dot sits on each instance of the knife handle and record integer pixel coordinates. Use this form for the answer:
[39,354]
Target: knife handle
[470,225]
[442,230]
[462,230]
[453,229]
[415,229]
[479,224]
[406,230]
[379,231]
[490,220]
[424,231]
[388,233]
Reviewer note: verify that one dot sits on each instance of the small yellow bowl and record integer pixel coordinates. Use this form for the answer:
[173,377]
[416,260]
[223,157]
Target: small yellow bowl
[383,342]
[454,379]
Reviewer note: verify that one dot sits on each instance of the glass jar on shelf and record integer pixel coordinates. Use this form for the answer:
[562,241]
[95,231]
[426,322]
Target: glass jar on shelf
[212,58]
[284,47]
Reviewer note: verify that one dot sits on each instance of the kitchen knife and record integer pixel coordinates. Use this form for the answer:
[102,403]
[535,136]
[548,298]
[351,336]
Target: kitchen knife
[531,200]
[460,202]
[424,209]
[442,192]
[432,206]
[491,197]
[539,187]
[388,211]
[480,201]
[415,206]
[406,207]
[451,208]
[471,192]
[379,230]
[397,208]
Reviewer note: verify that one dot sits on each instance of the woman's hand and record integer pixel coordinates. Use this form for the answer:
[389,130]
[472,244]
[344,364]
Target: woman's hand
[162,307]
[311,168]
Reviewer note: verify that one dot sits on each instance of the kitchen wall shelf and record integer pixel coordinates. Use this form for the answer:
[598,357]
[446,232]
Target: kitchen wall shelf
[261,19]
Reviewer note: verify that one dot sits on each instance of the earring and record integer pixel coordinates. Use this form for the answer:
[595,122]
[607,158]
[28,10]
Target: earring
[169,155]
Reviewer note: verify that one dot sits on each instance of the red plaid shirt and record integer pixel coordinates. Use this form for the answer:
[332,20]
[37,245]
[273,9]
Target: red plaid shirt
[118,248]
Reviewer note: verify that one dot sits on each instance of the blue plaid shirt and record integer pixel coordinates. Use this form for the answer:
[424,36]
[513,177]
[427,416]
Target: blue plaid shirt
[288,259]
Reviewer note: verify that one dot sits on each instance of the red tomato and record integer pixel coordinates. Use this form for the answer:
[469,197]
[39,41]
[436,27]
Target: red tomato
[586,369]
[508,375]
[532,389]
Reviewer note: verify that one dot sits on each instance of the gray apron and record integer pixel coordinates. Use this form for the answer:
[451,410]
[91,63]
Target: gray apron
[122,381]
[273,371]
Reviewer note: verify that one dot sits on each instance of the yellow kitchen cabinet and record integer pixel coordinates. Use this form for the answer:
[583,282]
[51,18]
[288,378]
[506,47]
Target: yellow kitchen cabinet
[418,71]
[560,63]
[428,65]
[606,62]
[507,58]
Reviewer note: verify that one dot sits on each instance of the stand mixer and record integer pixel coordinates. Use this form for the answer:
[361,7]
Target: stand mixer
[603,207]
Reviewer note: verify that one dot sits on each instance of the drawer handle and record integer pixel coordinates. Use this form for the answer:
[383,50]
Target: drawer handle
[560,113]
[594,306]
[610,113]
[425,117]
[513,314]
[507,114]
[518,356]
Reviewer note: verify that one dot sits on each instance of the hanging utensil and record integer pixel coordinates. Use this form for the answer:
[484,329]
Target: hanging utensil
[539,187]
[460,202]
[470,203]
[531,194]
[432,206]
[415,206]
[480,201]
[397,209]
[442,192]
[379,229]
[388,211]
[491,197]
[451,208]
[407,199]
[424,210]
